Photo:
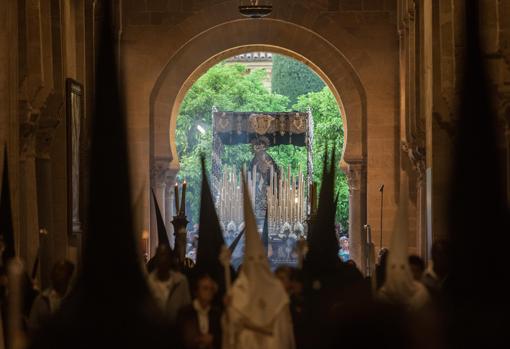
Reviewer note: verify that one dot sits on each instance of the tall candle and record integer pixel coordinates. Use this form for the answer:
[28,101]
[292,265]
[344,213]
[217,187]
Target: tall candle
[314,197]
[183,199]
[176,195]
[312,200]
[145,238]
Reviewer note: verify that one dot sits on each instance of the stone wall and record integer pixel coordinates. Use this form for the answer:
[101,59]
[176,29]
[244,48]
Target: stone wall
[43,42]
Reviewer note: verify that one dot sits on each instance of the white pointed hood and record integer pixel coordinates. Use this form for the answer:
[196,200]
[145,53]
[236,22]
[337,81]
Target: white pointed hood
[399,286]
[256,294]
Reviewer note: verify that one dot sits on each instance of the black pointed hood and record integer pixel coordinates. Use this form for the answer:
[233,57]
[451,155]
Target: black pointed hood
[35,266]
[110,306]
[235,242]
[162,233]
[478,206]
[210,238]
[322,240]
[110,216]
[6,227]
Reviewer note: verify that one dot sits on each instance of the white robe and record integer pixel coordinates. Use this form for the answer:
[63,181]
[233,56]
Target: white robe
[282,336]
[399,286]
[258,316]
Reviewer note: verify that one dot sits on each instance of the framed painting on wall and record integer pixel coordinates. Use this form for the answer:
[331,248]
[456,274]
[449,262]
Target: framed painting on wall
[74,116]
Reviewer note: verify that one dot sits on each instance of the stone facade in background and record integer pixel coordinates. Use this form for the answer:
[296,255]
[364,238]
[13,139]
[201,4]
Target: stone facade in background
[256,60]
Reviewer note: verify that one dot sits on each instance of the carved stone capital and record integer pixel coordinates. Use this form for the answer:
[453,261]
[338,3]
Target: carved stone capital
[161,174]
[28,128]
[416,154]
[51,114]
[407,16]
[411,11]
[354,171]
[38,125]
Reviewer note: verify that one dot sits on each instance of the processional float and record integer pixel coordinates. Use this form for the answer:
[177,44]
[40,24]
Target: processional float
[287,197]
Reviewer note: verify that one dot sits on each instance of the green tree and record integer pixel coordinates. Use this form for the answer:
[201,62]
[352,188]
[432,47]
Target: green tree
[292,78]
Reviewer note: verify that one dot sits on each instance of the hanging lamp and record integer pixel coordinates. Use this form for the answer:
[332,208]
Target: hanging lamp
[255,8]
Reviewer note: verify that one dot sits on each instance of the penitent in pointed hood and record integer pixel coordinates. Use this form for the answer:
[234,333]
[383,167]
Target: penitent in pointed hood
[234,243]
[210,238]
[256,294]
[322,240]
[110,255]
[479,213]
[399,286]
[110,306]
[162,233]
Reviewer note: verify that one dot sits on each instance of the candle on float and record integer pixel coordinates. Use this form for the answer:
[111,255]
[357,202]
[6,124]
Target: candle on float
[183,198]
[271,180]
[176,196]
[296,209]
[291,198]
[314,197]
[145,238]
[301,196]
[254,184]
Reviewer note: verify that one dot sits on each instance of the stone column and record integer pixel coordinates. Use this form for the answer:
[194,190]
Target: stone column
[357,212]
[28,241]
[44,176]
[424,240]
[416,156]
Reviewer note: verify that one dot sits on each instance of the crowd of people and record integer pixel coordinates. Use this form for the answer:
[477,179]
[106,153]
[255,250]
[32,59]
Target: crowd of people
[196,315]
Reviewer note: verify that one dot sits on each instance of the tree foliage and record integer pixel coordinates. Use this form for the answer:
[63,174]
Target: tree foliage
[233,88]
[292,78]
[328,132]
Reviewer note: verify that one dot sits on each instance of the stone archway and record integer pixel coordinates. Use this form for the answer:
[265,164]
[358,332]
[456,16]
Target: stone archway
[240,36]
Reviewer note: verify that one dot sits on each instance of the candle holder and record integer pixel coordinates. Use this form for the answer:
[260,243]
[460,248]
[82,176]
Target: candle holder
[180,223]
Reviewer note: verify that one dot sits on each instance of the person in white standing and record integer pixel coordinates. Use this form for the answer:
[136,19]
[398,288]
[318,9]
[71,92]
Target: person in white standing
[257,314]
